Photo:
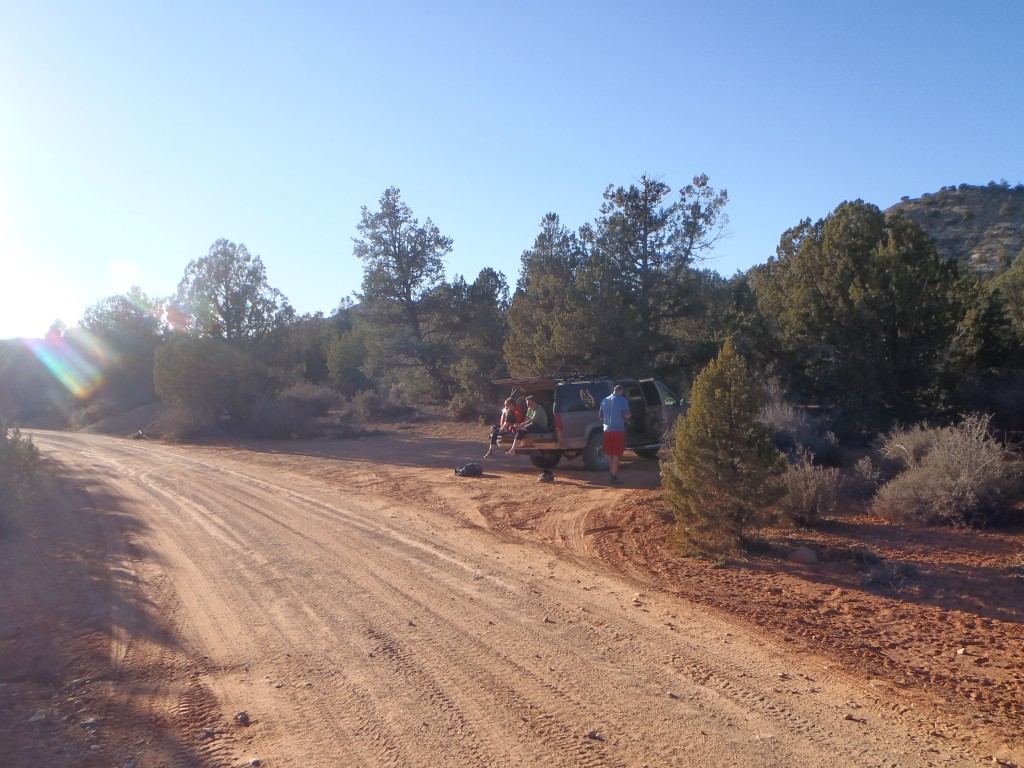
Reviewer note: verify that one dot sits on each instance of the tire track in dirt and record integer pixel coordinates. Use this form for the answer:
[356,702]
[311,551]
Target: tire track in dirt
[578,525]
[583,530]
[178,506]
[368,630]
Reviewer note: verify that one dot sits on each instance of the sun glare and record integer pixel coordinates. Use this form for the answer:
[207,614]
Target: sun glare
[76,361]
[35,296]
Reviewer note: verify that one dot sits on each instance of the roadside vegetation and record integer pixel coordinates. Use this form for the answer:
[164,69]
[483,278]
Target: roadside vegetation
[20,475]
[855,328]
[724,469]
[957,475]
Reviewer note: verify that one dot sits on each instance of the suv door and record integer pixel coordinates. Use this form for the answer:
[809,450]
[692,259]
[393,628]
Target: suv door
[663,407]
[637,431]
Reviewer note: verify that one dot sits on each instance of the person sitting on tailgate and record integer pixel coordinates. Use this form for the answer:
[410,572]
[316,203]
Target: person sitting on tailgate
[536,421]
[510,416]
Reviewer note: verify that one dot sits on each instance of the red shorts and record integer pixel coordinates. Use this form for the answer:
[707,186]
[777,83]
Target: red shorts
[614,443]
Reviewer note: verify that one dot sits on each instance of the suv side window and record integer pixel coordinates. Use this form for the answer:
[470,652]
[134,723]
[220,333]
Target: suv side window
[668,397]
[580,396]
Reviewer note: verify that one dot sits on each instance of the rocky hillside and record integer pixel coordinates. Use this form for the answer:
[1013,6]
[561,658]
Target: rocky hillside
[980,226]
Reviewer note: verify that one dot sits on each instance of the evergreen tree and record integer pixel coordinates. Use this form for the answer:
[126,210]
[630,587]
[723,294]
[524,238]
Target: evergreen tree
[119,336]
[225,295]
[403,263]
[1010,285]
[587,334]
[546,290]
[346,356]
[989,350]
[210,378]
[650,244]
[864,312]
[476,317]
[723,470]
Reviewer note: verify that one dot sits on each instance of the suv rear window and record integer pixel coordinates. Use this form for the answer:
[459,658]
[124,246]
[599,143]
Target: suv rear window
[580,396]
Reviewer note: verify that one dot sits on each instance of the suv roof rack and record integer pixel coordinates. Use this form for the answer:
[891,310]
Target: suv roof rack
[549,378]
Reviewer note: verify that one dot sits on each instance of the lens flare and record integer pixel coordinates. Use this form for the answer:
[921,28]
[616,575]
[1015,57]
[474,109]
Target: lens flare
[77,361]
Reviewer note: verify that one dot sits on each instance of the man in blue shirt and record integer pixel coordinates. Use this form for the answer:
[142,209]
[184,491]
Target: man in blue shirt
[615,413]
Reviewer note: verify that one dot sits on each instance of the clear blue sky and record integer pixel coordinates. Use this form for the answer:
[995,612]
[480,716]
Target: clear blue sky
[135,134]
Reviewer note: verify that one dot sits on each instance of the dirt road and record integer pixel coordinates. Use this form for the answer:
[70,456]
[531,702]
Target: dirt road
[356,608]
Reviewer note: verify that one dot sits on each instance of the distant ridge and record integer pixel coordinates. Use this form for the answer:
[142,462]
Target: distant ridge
[981,227]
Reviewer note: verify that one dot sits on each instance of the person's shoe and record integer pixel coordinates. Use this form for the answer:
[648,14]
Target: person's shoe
[615,480]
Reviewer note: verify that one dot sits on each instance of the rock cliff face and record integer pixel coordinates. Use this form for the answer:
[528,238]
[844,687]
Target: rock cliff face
[982,227]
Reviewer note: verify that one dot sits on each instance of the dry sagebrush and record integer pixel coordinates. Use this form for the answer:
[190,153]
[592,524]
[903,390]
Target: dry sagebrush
[959,475]
[811,491]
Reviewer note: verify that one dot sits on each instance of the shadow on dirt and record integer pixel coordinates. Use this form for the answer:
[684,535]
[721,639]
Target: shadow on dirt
[417,451]
[950,570]
[71,599]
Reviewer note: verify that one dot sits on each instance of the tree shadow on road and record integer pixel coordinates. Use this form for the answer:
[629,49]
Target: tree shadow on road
[70,608]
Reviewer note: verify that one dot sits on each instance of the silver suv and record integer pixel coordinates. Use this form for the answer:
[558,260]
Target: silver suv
[576,429]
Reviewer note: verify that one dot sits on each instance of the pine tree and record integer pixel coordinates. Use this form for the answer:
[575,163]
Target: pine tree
[723,470]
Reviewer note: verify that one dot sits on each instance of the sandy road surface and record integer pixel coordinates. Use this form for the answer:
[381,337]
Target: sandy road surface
[357,622]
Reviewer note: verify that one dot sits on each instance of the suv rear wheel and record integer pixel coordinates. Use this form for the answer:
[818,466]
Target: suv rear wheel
[545,459]
[594,457]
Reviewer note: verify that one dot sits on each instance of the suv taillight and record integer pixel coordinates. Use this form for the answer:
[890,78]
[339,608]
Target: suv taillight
[558,422]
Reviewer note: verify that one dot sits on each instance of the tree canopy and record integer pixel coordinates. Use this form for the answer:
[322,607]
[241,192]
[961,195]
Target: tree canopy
[863,311]
[651,242]
[225,295]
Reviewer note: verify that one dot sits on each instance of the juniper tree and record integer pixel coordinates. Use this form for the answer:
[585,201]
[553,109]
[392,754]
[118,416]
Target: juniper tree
[225,295]
[723,470]
[864,312]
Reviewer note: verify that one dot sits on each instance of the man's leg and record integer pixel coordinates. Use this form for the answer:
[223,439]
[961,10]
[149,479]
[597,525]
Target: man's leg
[613,445]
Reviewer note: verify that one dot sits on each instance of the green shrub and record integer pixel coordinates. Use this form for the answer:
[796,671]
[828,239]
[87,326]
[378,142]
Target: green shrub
[865,480]
[959,475]
[309,399]
[391,400]
[722,475]
[209,377]
[463,407]
[811,491]
[346,356]
[97,410]
[20,474]
[278,419]
[889,575]
[181,424]
[365,405]
[903,449]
